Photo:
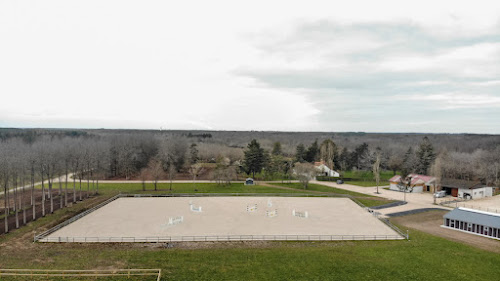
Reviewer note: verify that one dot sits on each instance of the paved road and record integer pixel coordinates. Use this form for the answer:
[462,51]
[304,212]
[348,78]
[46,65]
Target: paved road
[55,180]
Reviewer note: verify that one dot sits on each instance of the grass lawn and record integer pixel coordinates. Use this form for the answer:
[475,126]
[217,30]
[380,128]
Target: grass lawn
[366,179]
[424,257]
[367,200]
[164,188]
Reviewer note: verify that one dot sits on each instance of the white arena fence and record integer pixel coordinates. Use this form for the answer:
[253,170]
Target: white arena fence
[220,238]
[461,203]
[43,236]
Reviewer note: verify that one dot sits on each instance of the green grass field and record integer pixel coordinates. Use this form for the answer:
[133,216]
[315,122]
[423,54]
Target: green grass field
[164,188]
[366,179]
[367,200]
[186,188]
[424,257]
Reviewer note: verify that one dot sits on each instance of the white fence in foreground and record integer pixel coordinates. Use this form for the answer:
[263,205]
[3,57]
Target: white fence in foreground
[45,274]
[220,238]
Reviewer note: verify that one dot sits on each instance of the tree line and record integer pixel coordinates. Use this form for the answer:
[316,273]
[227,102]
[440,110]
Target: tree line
[70,163]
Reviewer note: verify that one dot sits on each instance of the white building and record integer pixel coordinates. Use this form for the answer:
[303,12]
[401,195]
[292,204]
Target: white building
[473,221]
[475,193]
[419,183]
[466,189]
[324,170]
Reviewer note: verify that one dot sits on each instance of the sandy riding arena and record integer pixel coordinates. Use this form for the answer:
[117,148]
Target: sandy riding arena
[164,219]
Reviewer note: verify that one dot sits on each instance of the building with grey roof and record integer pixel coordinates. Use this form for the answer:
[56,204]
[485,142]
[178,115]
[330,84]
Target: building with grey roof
[473,221]
[466,189]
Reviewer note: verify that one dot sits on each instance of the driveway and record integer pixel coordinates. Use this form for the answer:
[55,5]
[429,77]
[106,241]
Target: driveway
[415,200]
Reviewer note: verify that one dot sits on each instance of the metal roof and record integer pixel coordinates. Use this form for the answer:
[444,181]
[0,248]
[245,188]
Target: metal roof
[454,183]
[474,216]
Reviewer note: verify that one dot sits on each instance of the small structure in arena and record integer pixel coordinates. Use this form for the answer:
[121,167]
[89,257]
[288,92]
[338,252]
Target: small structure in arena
[249,181]
[269,203]
[175,220]
[194,208]
[252,208]
[272,214]
[473,221]
[300,214]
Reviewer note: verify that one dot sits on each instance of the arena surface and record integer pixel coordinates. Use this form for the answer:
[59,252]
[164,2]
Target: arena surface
[224,216]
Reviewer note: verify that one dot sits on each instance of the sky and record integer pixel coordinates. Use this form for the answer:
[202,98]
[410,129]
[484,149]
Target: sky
[372,66]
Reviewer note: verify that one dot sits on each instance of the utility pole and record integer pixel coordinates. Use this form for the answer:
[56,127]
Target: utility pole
[408,184]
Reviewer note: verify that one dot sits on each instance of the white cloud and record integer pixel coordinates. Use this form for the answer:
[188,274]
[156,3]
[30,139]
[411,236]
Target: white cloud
[455,100]
[178,64]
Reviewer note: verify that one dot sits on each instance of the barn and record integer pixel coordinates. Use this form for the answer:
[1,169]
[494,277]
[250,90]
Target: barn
[419,183]
[473,221]
[466,189]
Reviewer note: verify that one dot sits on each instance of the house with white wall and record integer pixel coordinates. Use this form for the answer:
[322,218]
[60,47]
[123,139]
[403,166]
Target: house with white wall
[419,183]
[323,170]
[466,189]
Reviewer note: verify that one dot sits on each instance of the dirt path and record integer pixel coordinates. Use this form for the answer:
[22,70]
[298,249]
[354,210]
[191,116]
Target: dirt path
[430,222]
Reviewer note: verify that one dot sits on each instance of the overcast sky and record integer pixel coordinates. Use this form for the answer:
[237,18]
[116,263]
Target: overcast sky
[375,66]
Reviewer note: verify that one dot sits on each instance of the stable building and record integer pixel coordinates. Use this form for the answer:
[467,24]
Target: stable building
[419,183]
[466,189]
[473,221]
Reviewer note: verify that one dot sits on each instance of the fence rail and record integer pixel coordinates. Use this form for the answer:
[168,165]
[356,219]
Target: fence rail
[77,217]
[461,203]
[43,237]
[224,238]
[154,273]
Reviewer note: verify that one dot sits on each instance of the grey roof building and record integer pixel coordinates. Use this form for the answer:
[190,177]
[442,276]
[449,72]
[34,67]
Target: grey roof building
[473,221]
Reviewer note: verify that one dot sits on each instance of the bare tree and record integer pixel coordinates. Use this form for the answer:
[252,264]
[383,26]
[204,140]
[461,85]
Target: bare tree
[195,170]
[155,169]
[437,172]
[305,172]
[328,149]
[376,170]
[171,172]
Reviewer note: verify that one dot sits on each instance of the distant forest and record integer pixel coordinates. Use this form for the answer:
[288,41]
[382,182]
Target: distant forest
[127,154]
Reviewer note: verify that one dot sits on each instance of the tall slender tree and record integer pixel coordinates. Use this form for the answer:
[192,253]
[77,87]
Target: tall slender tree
[255,158]
[425,156]
[328,150]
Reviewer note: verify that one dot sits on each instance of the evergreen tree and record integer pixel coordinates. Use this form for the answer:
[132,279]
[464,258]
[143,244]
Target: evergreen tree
[300,153]
[343,164]
[255,158]
[360,157]
[193,153]
[277,148]
[312,153]
[408,162]
[425,156]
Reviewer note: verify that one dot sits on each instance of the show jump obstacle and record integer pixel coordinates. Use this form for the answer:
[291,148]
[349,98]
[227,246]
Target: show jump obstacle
[194,208]
[304,214]
[252,208]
